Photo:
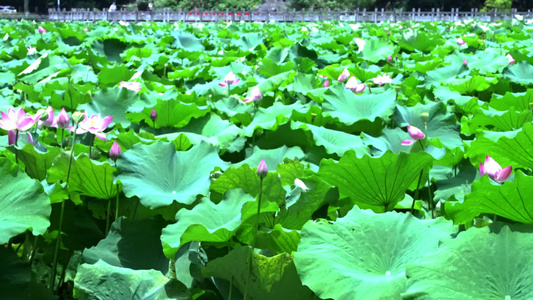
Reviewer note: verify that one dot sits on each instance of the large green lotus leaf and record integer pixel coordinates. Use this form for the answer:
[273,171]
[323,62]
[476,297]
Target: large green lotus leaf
[116,102]
[278,239]
[270,118]
[302,83]
[104,281]
[290,170]
[455,186]
[420,40]
[271,277]
[131,244]
[520,101]
[390,139]
[349,108]
[495,120]
[377,183]
[365,254]
[520,73]
[87,177]
[441,124]
[212,129]
[23,205]
[158,175]
[512,200]
[334,141]
[16,279]
[475,265]
[472,84]
[270,68]
[36,162]
[171,113]
[245,178]
[110,48]
[43,67]
[111,75]
[206,222]
[249,41]
[445,74]
[300,205]
[488,63]
[272,157]
[186,41]
[514,150]
[376,50]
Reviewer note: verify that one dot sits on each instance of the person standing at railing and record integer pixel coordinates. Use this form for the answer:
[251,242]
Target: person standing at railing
[113,8]
[151,6]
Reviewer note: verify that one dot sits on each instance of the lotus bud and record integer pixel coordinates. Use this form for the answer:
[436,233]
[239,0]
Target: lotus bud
[153,114]
[460,42]
[299,183]
[389,59]
[494,170]
[86,30]
[44,115]
[511,59]
[345,74]
[262,169]
[326,83]
[388,33]
[95,153]
[78,116]
[415,133]
[424,115]
[62,119]
[465,63]
[41,30]
[397,88]
[114,152]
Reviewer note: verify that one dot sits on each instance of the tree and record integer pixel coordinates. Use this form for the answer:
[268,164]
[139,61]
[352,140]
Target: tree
[500,5]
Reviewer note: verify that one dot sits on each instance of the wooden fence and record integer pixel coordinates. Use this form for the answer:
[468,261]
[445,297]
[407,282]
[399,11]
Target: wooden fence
[283,16]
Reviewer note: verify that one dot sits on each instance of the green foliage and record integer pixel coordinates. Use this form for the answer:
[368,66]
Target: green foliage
[500,5]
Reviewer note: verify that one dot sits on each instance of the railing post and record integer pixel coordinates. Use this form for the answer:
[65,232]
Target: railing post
[394,16]
[357,15]
[419,13]
[413,14]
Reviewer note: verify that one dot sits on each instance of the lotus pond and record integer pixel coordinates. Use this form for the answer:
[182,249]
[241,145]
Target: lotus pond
[266,161]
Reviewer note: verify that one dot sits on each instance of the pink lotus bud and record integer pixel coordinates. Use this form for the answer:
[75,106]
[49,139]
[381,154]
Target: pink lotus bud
[49,120]
[255,95]
[415,133]
[345,74]
[388,33]
[511,59]
[11,136]
[389,59]
[494,170]
[262,169]
[62,119]
[465,63]
[460,42]
[114,152]
[407,142]
[354,86]
[86,30]
[401,27]
[41,30]
[153,114]
[326,83]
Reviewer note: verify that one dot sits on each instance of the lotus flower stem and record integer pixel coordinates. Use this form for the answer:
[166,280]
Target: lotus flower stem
[58,239]
[16,142]
[229,90]
[431,205]
[33,250]
[91,146]
[117,201]
[416,192]
[256,228]
[107,216]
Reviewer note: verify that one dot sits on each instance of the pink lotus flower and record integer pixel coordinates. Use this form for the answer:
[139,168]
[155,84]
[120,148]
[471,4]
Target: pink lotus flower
[18,120]
[354,86]
[12,138]
[133,86]
[262,169]
[31,50]
[380,80]
[41,30]
[465,63]
[86,30]
[95,125]
[115,151]
[511,59]
[415,133]
[345,74]
[62,120]
[230,79]
[255,95]
[389,59]
[460,42]
[153,114]
[494,170]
